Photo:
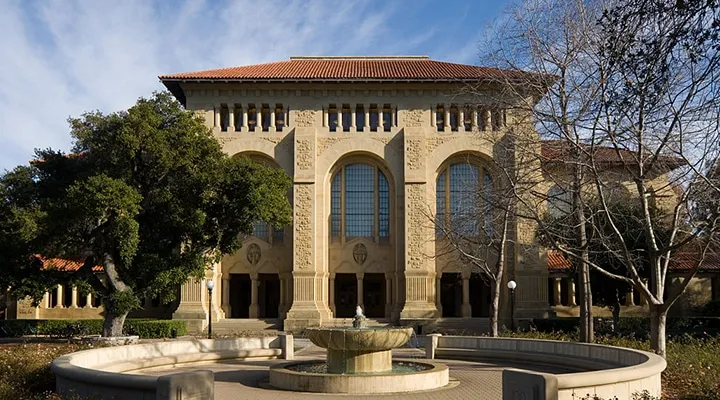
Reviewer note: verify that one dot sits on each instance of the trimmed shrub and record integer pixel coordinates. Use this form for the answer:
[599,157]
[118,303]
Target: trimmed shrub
[148,328]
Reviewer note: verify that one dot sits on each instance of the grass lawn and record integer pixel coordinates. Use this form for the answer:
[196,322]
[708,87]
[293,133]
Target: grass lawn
[693,371]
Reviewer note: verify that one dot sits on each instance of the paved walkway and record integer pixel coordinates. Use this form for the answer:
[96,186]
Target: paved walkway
[248,379]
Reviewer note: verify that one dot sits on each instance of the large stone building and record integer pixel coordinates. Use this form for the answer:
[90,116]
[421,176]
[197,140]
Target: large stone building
[375,145]
[379,149]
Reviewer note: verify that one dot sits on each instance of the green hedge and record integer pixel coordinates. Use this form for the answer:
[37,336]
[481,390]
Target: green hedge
[637,327]
[65,328]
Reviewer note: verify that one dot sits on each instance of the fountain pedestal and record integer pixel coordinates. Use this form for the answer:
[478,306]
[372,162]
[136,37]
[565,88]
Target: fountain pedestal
[358,361]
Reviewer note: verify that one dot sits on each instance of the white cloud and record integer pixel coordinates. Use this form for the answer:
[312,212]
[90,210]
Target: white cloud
[60,58]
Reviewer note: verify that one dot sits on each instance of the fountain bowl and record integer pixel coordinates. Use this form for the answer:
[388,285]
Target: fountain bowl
[359,339]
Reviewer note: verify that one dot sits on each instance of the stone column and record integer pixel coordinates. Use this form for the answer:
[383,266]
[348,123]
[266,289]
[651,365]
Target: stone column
[466,308]
[571,293]
[360,289]
[88,300]
[245,119]
[331,293]
[74,297]
[272,119]
[192,298]
[326,117]
[353,118]
[226,297]
[473,123]
[630,297]
[461,119]
[258,119]
[231,117]
[433,115]
[310,272]
[218,112]
[366,127]
[339,118]
[60,297]
[254,286]
[557,298]
[45,300]
[448,128]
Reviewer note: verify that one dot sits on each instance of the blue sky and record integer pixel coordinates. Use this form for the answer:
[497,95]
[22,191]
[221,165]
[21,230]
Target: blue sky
[60,58]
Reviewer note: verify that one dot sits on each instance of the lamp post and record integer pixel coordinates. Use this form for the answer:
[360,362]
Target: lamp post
[512,285]
[210,285]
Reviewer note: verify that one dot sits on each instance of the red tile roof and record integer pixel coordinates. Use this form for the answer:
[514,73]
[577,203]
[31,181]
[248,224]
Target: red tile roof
[64,264]
[554,151]
[681,261]
[347,69]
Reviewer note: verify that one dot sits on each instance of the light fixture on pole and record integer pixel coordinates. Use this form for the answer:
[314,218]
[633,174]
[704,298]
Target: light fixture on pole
[210,285]
[512,285]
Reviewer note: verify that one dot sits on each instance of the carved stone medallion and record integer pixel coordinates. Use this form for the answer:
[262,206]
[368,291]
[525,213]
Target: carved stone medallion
[360,253]
[253,254]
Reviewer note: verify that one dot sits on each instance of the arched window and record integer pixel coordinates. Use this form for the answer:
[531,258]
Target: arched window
[360,202]
[463,193]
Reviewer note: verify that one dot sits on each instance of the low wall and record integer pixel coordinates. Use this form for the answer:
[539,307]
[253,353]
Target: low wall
[600,370]
[103,373]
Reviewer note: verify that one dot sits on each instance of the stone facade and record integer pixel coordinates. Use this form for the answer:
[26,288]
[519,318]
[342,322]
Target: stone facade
[410,152]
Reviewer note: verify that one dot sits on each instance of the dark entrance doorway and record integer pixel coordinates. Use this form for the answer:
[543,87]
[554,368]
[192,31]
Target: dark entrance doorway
[374,295]
[479,297]
[240,285]
[451,294]
[268,295]
[345,295]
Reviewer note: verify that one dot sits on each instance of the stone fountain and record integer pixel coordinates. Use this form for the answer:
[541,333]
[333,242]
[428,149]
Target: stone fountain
[359,360]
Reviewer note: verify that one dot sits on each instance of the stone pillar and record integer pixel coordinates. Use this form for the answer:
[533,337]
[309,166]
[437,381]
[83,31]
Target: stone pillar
[74,297]
[433,115]
[45,303]
[360,289]
[231,117]
[366,127]
[630,297]
[473,123]
[571,293]
[419,269]
[254,288]
[218,112]
[557,298]
[245,119]
[226,297]
[339,118]
[258,119]
[272,119]
[331,291]
[310,272]
[88,300]
[326,117]
[448,128]
[466,308]
[191,301]
[461,119]
[59,296]
[353,118]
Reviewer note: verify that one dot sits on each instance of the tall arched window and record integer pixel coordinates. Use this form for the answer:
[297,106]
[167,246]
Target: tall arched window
[360,202]
[463,200]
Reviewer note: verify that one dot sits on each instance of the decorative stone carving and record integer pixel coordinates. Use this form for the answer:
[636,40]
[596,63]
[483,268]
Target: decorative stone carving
[305,118]
[414,154]
[304,158]
[253,254]
[326,143]
[303,226]
[382,139]
[360,253]
[414,118]
[434,143]
[416,223]
[273,140]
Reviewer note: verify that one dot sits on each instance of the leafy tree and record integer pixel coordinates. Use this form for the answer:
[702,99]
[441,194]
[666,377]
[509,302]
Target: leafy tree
[147,194]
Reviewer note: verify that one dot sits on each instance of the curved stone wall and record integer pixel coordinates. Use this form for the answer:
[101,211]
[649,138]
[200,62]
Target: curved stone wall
[601,370]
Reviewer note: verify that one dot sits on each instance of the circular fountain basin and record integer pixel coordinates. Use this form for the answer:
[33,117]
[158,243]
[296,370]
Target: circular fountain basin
[359,350]
[417,376]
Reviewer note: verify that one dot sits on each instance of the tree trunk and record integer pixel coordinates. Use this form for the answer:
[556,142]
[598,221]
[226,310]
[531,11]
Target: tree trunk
[587,328]
[113,323]
[658,321]
[495,306]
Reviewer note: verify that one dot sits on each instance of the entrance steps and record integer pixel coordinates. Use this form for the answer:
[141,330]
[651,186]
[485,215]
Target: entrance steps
[462,326]
[239,326]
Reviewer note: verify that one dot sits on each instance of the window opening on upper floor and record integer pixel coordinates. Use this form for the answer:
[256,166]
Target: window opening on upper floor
[224,118]
[360,123]
[238,118]
[454,118]
[374,118]
[265,117]
[345,117]
[498,119]
[252,117]
[279,117]
[468,113]
[387,117]
[333,118]
[440,117]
